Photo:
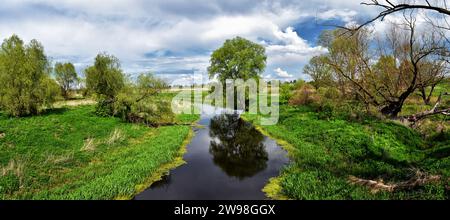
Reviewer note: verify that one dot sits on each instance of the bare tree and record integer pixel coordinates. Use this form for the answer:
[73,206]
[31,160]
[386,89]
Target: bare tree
[399,68]
[417,52]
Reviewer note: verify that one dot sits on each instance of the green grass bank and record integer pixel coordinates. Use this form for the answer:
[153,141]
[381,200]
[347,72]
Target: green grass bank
[325,153]
[70,153]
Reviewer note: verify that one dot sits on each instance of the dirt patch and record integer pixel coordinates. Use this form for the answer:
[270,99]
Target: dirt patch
[75,102]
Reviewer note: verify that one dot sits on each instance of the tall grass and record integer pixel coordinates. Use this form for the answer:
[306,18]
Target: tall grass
[73,154]
[326,152]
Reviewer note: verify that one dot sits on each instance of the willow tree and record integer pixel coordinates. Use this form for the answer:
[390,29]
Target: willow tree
[26,87]
[105,79]
[384,73]
[66,76]
[238,58]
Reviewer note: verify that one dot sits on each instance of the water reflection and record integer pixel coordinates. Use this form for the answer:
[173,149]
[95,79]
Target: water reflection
[237,147]
[226,159]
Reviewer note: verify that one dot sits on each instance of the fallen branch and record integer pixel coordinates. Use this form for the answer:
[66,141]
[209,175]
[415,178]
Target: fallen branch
[375,186]
[420,178]
[434,111]
[133,118]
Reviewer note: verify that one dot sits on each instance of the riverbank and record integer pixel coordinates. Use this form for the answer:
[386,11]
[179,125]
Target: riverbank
[326,155]
[70,153]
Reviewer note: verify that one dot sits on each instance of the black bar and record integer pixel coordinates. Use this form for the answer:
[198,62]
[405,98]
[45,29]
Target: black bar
[258,209]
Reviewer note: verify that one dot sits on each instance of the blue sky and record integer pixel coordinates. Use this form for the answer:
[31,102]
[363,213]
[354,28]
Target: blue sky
[174,38]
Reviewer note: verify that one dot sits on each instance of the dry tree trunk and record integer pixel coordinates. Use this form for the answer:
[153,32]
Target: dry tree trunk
[420,178]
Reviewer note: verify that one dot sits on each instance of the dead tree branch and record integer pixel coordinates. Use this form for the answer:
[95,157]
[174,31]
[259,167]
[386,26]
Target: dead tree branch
[421,115]
[391,8]
[420,178]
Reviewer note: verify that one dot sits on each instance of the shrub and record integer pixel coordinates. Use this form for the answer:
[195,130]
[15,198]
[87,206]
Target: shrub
[286,91]
[305,95]
[141,102]
[326,111]
[52,92]
[330,93]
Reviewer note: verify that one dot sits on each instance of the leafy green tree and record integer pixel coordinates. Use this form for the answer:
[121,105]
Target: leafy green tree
[66,76]
[105,79]
[26,86]
[320,72]
[238,58]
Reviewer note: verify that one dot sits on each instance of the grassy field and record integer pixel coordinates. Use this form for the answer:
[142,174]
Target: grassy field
[325,153]
[415,103]
[70,153]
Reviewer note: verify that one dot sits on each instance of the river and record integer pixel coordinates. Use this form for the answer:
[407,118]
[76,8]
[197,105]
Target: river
[227,159]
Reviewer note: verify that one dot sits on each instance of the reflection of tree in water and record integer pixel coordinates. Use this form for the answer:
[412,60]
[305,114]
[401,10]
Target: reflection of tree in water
[239,150]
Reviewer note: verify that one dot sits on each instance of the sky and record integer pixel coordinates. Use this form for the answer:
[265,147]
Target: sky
[173,38]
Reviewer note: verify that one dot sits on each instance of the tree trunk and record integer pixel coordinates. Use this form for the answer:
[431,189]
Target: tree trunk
[423,94]
[428,101]
[427,97]
[392,109]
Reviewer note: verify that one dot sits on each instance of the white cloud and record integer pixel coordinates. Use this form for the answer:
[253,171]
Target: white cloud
[345,15]
[188,30]
[268,76]
[282,74]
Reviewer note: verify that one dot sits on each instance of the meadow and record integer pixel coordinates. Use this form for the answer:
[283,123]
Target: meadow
[329,153]
[71,153]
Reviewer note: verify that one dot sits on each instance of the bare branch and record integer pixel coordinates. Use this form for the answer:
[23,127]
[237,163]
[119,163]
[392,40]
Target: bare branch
[391,8]
[434,111]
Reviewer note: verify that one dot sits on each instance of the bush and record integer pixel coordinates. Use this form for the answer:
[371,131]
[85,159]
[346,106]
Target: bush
[142,103]
[326,111]
[305,95]
[287,90]
[330,93]
[52,92]
[150,111]
[105,108]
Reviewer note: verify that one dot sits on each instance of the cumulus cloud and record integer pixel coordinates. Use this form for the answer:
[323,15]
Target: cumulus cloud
[345,15]
[282,74]
[173,38]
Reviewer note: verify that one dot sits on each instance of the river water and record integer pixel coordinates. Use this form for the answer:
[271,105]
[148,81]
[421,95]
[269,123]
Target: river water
[227,159]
